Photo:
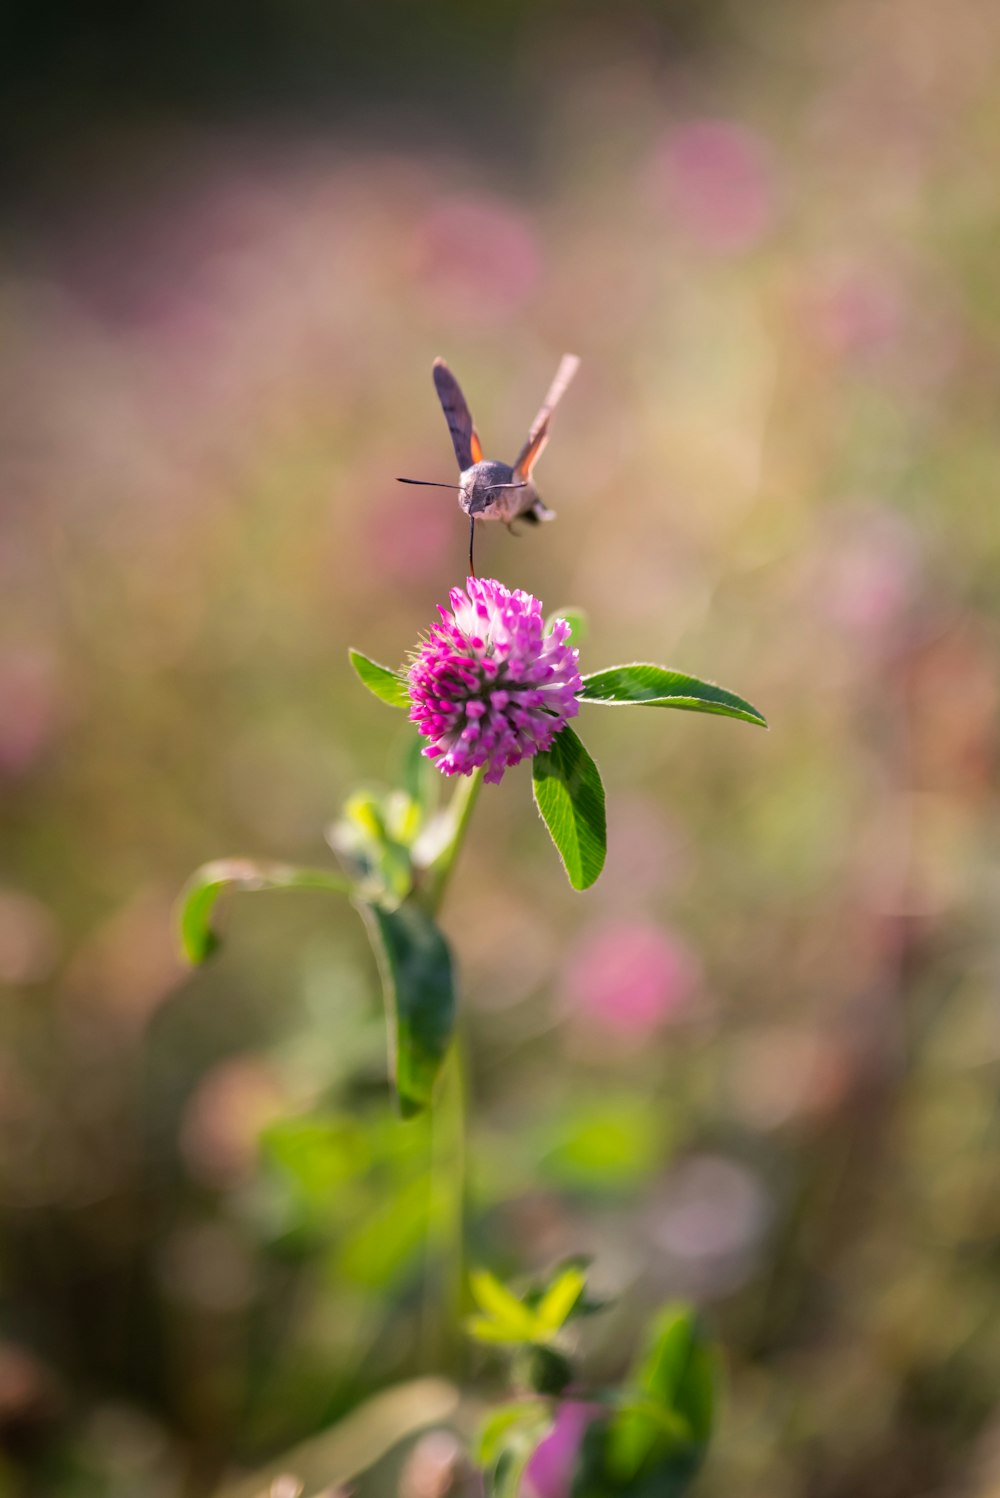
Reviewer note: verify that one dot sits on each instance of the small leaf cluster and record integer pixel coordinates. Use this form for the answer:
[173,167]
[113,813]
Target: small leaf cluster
[390,846]
[647,1437]
[531,1325]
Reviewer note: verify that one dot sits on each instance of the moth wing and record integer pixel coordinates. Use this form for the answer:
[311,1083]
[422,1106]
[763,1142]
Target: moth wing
[539,434]
[464,437]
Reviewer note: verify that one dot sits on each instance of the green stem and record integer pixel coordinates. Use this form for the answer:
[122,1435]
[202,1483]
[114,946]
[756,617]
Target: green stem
[444,1294]
[449,1127]
[462,805]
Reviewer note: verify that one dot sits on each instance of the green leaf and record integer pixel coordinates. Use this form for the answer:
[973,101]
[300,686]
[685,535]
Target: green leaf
[197,900]
[502,1306]
[519,1443]
[318,1154]
[643,1433]
[678,1369]
[482,1329]
[575,618]
[654,1442]
[415,964]
[607,1143]
[381,1244]
[504,1481]
[654,686]
[560,1298]
[389,686]
[499,1424]
[584,1305]
[570,797]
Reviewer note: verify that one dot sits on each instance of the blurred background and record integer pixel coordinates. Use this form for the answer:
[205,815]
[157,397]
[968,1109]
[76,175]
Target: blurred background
[757,1064]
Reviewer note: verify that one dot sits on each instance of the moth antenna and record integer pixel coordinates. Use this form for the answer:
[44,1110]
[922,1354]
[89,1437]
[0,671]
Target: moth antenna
[428,483]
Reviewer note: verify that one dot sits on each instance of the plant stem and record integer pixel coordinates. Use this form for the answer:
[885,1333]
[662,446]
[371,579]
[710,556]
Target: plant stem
[444,1294]
[462,804]
[445,1299]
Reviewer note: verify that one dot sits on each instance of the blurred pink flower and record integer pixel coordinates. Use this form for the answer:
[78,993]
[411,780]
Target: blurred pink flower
[479,258]
[128,965]
[630,976]
[709,1225]
[782,1073]
[436,1467]
[858,309]
[870,569]
[224,1119]
[407,540]
[648,851]
[31,708]
[550,1471]
[715,179]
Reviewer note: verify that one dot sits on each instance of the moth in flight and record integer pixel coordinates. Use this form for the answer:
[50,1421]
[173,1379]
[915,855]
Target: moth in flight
[488,490]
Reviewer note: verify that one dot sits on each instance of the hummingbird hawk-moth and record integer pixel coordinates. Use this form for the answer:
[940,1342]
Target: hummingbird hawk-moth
[489,490]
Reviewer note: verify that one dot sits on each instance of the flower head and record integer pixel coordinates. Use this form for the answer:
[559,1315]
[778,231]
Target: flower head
[488,685]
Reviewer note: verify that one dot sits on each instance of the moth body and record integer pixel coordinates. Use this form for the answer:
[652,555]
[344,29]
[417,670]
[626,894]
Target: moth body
[492,491]
[488,490]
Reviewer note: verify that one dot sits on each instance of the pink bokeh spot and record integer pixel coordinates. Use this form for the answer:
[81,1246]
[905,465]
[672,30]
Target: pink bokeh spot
[32,708]
[407,541]
[630,977]
[479,257]
[715,179]
[871,569]
[550,1471]
[858,309]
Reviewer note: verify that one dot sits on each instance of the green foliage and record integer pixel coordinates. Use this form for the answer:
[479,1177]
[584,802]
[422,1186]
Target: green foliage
[570,797]
[655,1439]
[569,1272]
[376,838]
[678,1370]
[503,1477]
[530,1325]
[505,1317]
[353,1189]
[418,982]
[520,1414]
[654,1434]
[373,837]
[561,1298]
[534,1319]
[318,1154]
[642,685]
[196,904]
[529,1328]
[375,1250]
[605,1143]
[387,685]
